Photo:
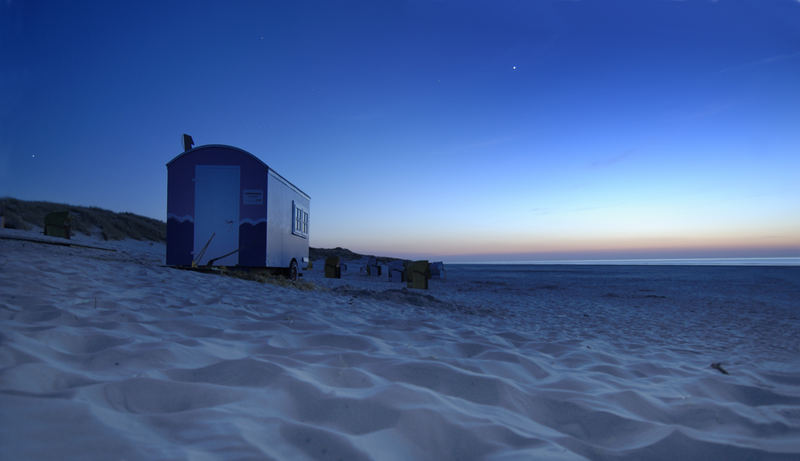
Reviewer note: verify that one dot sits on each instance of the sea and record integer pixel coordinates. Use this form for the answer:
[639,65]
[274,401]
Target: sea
[780,261]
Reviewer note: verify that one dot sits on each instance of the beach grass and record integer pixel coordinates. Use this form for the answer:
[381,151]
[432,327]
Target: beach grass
[266,276]
[27,215]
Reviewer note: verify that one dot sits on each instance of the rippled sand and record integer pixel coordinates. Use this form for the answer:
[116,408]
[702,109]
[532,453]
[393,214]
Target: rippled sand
[110,355]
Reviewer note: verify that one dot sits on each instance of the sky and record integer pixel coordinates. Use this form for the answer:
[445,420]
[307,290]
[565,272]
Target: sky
[455,130]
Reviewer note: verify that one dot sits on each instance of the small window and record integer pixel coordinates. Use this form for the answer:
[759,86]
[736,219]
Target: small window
[300,220]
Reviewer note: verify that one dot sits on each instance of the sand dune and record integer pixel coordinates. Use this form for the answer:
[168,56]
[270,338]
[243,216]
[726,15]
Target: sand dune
[110,355]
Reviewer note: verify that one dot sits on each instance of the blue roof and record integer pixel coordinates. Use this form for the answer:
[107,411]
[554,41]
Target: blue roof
[224,146]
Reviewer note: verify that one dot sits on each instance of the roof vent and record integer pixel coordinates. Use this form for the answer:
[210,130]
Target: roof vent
[188,142]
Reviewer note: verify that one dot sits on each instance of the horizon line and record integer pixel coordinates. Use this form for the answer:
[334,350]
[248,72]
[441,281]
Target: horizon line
[775,261]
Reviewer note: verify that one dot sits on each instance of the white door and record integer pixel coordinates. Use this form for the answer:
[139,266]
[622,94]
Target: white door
[216,214]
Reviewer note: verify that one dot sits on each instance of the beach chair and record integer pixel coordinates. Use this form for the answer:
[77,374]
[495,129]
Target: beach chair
[373,269]
[397,271]
[57,224]
[417,274]
[437,270]
[332,268]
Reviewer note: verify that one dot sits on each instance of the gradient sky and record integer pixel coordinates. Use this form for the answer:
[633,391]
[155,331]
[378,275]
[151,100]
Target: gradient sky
[455,129]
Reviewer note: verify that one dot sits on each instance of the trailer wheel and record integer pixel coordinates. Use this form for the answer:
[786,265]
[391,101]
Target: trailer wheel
[293,271]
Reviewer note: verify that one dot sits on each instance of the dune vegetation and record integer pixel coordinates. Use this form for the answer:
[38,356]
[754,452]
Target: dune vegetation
[110,225]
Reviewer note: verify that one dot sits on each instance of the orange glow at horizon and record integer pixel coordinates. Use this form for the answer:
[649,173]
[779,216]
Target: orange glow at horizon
[510,244]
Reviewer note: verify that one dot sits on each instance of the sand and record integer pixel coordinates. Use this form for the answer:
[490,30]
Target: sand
[111,355]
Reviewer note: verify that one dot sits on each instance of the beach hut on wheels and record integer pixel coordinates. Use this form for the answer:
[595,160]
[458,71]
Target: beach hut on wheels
[225,207]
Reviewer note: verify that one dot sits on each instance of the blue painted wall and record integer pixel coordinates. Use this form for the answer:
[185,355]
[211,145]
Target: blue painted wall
[181,199]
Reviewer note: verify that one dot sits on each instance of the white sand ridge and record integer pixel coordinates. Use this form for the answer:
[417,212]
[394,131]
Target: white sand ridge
[112,356]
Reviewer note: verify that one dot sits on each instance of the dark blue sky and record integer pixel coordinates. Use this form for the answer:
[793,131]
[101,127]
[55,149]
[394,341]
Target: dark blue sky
[428,127]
